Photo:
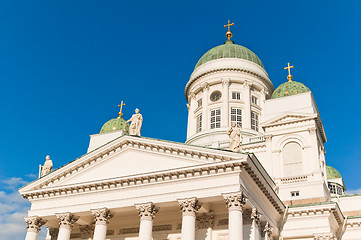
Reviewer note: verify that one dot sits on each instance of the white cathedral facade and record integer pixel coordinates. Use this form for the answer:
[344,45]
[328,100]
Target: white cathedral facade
[276,185]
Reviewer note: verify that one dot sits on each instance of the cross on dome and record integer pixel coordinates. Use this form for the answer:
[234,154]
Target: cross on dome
[289,77]
[229,34]
[121,108]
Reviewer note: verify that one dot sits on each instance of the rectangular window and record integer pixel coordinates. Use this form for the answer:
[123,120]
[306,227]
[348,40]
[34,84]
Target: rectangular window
[254,100]
[236,95]
[236,116]
[254,121]
[216,118]
[295,194]
[199,102]
[199,123]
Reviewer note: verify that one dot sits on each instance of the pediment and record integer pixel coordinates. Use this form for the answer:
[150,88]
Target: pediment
[128,156]
[286,118]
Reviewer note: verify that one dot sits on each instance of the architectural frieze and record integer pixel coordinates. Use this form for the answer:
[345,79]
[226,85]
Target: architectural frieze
[322,209]
[205,220]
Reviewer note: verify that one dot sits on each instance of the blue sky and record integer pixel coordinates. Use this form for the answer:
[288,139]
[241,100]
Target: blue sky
[66,65]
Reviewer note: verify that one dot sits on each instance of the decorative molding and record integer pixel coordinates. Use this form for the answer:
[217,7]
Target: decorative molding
[165,227]
[268,231]
[146,211]
[251,73]
[128,230]
[256,216]
[334,210]
[67,219]
[325,236]
[205,220]
[34,223]
[247,84]
[205,86]
[53,232]
[226,82]
[189,206]
[102,216]
[235,201]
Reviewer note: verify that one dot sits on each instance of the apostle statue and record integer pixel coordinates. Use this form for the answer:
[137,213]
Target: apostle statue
[234,133]
[136,125]
[48,166]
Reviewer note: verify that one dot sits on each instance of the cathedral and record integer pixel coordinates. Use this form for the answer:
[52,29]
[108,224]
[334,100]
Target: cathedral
[253,167]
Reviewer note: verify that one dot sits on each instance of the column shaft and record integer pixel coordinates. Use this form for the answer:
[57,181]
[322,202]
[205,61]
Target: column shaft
[145,229]
[100,232]
[235,225]
[246,123]
[31,235]
[64,232]
[188,227]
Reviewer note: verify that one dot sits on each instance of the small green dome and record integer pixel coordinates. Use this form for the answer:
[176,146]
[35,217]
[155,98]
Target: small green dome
[229,50]
[290,88]
[114,125]
[332,173]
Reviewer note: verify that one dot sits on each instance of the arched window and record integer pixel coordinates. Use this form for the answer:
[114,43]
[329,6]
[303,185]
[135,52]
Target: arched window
[292,159]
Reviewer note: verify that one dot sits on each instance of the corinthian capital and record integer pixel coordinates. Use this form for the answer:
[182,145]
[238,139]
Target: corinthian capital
[146,211]
[189,206]
[102,215]
[33,224]
[234,201]
[67,219]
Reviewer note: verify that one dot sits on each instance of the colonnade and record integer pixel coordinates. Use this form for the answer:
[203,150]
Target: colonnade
[147,211]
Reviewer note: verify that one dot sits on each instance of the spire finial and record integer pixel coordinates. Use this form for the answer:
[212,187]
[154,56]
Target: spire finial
[289,77]
[121,108]
[229,34]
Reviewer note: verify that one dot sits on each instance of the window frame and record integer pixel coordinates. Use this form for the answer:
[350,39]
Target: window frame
[215,121]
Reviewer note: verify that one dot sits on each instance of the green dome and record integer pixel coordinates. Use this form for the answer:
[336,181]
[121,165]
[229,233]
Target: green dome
[289,88]
[114,125]
[229,50]
[332,173]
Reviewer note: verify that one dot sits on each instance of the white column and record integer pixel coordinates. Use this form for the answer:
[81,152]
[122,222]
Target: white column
[246,97]
[205,99]
[66,223]
[101,218]
[33,224]
[235,202]
[192,121]
[189,208]
[256,218]
[267,232]
[146,212]
[225,103]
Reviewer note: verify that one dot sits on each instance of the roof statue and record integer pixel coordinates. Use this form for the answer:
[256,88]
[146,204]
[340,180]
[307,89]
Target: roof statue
[234,134]
[136,123]
[47,168]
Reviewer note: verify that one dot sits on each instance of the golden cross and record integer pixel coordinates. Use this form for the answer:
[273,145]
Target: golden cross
[121,108]
[229,25]
[289,77]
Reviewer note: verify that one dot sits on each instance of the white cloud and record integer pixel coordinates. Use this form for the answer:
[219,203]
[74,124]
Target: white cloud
[13,209]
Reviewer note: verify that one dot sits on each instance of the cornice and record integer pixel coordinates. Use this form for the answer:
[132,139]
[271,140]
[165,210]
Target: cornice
[217,70]
[317,210]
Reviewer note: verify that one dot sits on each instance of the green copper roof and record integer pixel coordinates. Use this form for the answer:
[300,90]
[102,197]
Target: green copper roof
[332,173]
[114,125]
[289,88]
[229,50]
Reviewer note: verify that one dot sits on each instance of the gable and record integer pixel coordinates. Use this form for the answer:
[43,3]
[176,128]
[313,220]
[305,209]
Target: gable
[288,118]
[126,163]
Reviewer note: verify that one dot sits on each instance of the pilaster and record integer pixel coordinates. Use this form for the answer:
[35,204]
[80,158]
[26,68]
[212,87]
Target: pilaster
[225,102]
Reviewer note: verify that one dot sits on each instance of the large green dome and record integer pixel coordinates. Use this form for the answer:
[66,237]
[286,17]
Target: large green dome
[229,50]
[114,125]
[332,173]
[290,88]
